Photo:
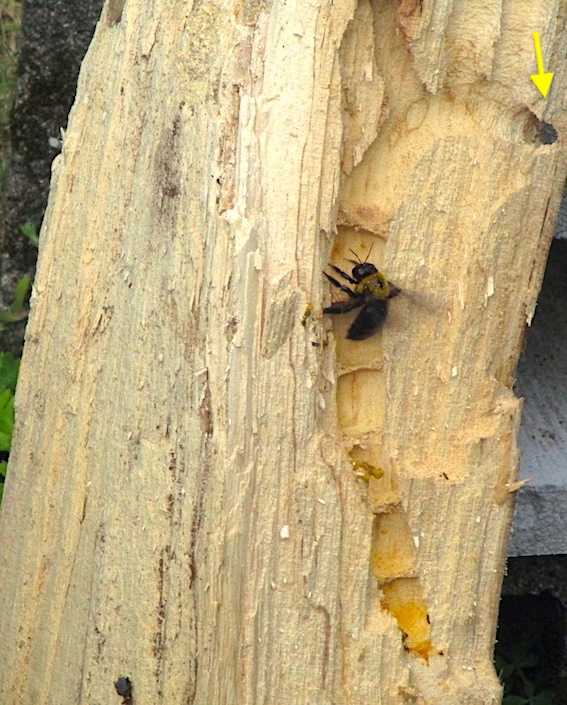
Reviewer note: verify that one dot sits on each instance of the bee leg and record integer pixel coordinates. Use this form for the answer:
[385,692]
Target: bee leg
[344,306]
[343,274]
[340,286]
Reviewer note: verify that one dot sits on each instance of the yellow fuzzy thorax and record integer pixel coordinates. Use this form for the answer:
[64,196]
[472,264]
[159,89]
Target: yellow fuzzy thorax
[374,284]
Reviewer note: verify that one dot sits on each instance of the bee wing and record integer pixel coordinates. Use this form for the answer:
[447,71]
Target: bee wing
[369,320]
[394,290]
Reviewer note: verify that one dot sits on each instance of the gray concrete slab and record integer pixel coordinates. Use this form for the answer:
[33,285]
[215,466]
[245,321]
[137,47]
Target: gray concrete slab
[540,522]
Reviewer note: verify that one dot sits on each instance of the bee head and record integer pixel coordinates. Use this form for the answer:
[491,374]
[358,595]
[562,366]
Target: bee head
[363,269]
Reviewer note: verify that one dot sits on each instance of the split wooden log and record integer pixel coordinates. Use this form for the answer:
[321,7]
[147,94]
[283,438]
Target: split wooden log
[185,506]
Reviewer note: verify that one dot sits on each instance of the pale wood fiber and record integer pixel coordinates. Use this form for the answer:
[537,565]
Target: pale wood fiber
[181,507]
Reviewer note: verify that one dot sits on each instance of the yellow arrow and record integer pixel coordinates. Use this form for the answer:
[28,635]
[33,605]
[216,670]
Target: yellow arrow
[541,79]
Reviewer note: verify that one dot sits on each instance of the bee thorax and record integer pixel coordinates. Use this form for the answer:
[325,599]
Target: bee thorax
[375,285]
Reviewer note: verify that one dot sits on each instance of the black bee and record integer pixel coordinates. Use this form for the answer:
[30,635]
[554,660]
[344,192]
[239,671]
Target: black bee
[123,687]
[370,292]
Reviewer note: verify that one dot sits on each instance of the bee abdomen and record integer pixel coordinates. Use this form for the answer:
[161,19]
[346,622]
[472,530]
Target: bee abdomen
[369,320]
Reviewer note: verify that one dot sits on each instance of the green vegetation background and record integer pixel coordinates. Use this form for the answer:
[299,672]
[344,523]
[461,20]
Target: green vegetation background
[10,14]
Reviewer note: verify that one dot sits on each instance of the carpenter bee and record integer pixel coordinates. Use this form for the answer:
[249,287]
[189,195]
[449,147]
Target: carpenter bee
[370,292]
[123,687]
